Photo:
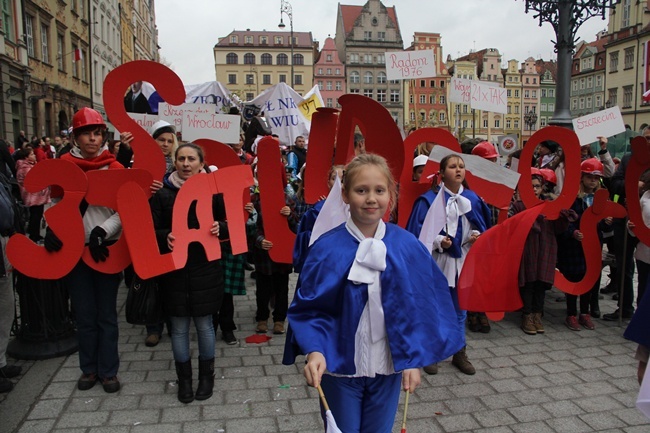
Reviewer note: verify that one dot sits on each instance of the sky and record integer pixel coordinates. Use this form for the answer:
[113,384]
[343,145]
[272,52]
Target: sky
[189,29]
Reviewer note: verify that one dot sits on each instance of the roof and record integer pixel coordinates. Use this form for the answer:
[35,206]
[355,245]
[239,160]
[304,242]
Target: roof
[550,66]
[303,39]
[350,13]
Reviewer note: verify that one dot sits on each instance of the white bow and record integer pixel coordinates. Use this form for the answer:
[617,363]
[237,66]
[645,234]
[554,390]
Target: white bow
[457,205]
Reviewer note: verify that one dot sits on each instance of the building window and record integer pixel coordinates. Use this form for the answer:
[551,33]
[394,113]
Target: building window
[354,58]
[367,36]
[381,36]
[250,79]
[588,101]
[464,123]
[266,79]
[354,77]
[381,78]
[423,99]
[282,78]
[233,39]
[231,59]
[249,59]
[574,104]
[551,93]
[354,91]
[543,93]
[526,94]
[264,40]
[329,58]
[232,78]
[465,109]
[412,116]
[517,109]
[368,93]
[625,19]
[411,99]
[320,71]
[612,96]
[497,123]
[29,34]
[508,124]
[381,95]
[45,45]
[267,59]
[629,58]
[250,96]
[381,59]
[627,96]
[509,109]
[298,59]
[84,77]
[367,59]
[59,51]
[441,116]
[394,95]
[516,124]
[7,19]
[613,61]
[282,59]
[432,99]
[367,78]
[509,93]
[599,101]
[330,103]
[485,123]
[542,122]
[320,85]
[516,93]
[337,85]
[443,99]
[337,71]
[248,39]
[297,80]
[279,40]
[329,85]
[542,107]
[599,81]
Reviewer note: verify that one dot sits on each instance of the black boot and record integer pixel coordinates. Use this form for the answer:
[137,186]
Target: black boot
[206,379]
[184,373]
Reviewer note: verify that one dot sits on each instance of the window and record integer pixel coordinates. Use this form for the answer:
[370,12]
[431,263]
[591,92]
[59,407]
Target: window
[599,81]
[264,40]
[354,90]
[59,51]
[381,95]
[543,93]
[45,49]
[534,80]
[613,61]
[423,99]
[516,93]
[354,77]
[599,101]
[368,93]
[329,85]
[381,59]
[320,71]
[232,78]
[551,93]
[411,99]
[509,93]
[381,78]
[509,109]
[278,40]
[320,85]
[337,85]
[367,59]
[542,122]
[464,123]
[465,109]
[266,79]
[442,99]
[432,83]
[485,123]
[582,83]
[574,104]
[250,79]
[508,124]
[517,109]
[249,59]
[337,71]
[412,116]
[588,101]
[329,58]
[354,58]
[381,36]
[542,107]
[231,59]
[629,58]
[7,19]
[233,39]
[329,71]
[533,93]
[298,59]
[367,36]
[368,78]
[441,116]
[29,34]
[282,59]
[627,96]
[250,96]
[394,95]
[516,124]
[423,83]
[248,39]
[330,102]
[497,123]
[282,78]
[83,67]
[625,18]
[612,96]
[297,80]
[527,82]
[526,94]
[267,59]
[432,99]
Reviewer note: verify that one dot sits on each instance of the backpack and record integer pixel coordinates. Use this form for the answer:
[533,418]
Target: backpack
[13,214]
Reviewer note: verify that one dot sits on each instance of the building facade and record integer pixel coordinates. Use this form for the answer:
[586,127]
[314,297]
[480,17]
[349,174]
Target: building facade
[512,83]
[127,25]
[249,62]
[146,32]
[329,74]
[363,36]
[547,71]
[530,85]
[427,97]
[105,47]
[462,117]
[588,77]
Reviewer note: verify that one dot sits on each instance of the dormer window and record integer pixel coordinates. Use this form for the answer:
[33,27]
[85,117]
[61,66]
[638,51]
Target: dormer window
[264,40]
[233,39]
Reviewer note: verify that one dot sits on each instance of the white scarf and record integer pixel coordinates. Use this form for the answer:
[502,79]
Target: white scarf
[369,261]
[457,205]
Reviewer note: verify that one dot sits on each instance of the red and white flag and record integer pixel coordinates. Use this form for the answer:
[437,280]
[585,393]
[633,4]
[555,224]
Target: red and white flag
[78,55]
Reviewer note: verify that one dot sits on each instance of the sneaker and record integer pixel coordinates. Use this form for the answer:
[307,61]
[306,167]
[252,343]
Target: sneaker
[229,337]
[5,385]
[87,381]
[537,323]
[431,369]
[610,288]
[571,322]
[152,340]
[278,328]
[9,371]
[461,362]
[262,327]
[585,321]
[527,324]
[111,384]
[472,322]
[485,323]
[595,314]
[612,317]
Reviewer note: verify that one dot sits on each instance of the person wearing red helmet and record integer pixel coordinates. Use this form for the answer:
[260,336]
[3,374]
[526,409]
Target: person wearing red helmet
[571,259]
[93,294]
[485,150]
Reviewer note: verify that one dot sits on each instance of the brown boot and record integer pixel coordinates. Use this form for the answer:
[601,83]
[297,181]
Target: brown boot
[527,324]
[484,322]
[431,369]
[537,322]
[262,327]
[461,362]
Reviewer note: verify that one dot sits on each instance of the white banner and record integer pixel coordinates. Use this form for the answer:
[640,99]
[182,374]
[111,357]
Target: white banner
[221,127]
[488,97]
[600,124]
[408,65]
[145,121]
[460,91]
[174,113]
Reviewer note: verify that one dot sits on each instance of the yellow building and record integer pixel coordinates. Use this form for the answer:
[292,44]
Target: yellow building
[514,120]
[462,119]
[146,32]
[128,30]
[248,62]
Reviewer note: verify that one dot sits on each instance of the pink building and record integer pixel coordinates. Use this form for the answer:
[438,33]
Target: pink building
[329,74]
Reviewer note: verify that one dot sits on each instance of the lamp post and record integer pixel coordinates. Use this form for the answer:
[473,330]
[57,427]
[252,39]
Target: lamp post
[285,8]
[530,119]
[566,16]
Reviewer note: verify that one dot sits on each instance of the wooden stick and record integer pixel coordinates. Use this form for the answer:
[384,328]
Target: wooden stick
[406,408]
[322,398]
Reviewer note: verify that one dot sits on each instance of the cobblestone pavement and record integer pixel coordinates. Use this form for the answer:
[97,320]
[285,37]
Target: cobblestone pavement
[562,381]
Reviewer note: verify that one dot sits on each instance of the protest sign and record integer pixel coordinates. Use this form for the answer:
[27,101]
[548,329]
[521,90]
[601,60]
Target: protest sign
[603,123]
[408,65]
[460,90]
[220,127]
[174,113]
[488,97]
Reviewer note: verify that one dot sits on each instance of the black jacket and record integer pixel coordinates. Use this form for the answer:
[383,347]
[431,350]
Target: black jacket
[196,289]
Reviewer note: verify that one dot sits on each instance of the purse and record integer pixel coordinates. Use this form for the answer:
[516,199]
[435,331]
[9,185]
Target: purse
[143,302]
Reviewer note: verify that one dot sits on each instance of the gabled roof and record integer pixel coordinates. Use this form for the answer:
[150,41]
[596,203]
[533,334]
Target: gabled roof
[543,66]
[303,39]
[350,13]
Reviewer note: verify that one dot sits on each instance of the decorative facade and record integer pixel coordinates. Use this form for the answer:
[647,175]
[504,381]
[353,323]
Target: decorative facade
[105,47]
[146,32]
[329,74]
[588,77]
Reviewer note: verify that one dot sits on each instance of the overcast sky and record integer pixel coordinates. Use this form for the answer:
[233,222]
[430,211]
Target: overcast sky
[189,29]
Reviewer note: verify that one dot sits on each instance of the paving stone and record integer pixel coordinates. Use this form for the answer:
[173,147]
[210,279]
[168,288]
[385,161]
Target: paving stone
[500,401]
[532,396]
[300,423]
[87,404]
[528,413]
[241,396]
[89,419]
[602,421]
[179,414]
[47,409]
[632,417]
[112,429]
[563,408]
[465,405]
[252,425]
[532,427]
[568,425]
[44,425]
[494,418]
[507,385]
[456,423]
[155,428]
[59,390]
[212,427]
[471,390]
[135,417]
[598,403]
[504,373]
[563,392]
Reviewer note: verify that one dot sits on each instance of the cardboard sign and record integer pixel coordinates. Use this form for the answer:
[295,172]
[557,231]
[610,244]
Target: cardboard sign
[460,90]
[144,120]
[219,127]
[408,65]
[508,144]
[488,97]
[599,124]
[174,113]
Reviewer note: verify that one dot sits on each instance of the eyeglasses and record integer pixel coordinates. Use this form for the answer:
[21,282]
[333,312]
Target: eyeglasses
[536,186]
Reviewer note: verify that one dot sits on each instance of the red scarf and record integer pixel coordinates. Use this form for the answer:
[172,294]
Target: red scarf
[87,164]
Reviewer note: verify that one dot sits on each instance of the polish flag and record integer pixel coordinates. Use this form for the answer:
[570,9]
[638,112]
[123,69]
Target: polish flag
[78,55]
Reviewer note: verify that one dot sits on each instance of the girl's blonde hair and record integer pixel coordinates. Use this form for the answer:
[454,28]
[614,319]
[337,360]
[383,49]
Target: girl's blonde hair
[357,164]
[581,191]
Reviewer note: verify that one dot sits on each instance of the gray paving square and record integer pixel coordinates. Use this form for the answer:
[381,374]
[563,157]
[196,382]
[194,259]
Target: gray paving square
[455,423]
[494,418]
[568,425]
[252,425]
[529,413]
[47,409]
[89,419]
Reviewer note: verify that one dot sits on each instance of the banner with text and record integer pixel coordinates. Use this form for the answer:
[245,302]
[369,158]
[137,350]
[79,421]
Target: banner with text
[408,65]
[174,113]
[145,121]
[220,127]
[481,95]
[599,124]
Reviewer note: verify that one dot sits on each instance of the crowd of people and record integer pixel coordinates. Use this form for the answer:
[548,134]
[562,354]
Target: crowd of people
[351,279]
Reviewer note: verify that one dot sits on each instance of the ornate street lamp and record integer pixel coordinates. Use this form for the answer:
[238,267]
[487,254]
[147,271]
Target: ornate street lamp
[530,119]
[566,16]
[285,8]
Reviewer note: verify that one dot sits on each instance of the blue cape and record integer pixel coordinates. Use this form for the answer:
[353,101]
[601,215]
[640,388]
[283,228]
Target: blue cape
[301,246]
[639,328]
[421,322]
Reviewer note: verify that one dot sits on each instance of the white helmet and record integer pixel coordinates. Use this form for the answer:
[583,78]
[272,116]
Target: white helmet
[161,127]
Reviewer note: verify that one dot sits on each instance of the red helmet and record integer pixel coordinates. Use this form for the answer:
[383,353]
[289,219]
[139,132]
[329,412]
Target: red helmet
[534,171]
[87,117]
[592,166]
[548,175]
[485,149]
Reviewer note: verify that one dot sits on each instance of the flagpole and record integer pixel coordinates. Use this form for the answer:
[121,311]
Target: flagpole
[322,398]
[406,408]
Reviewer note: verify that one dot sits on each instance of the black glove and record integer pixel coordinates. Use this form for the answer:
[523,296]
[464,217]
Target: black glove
[97,246]
[51,242]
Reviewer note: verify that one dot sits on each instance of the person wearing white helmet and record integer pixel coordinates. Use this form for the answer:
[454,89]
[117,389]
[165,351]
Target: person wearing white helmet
[165,135]
[418,166]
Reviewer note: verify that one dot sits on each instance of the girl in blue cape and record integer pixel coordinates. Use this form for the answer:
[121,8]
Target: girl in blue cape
[462,216]
[364,317]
